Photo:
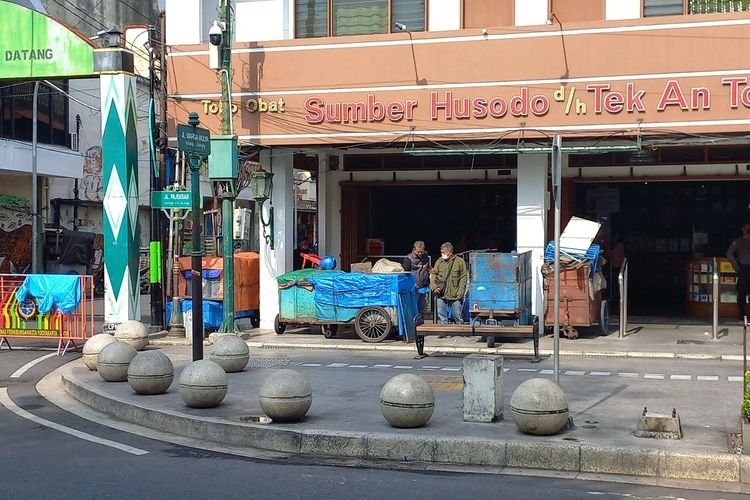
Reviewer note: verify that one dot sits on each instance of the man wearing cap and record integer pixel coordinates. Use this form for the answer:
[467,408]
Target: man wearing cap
[448,284]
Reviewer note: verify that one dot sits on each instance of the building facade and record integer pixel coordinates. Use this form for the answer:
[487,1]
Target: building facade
[434,119]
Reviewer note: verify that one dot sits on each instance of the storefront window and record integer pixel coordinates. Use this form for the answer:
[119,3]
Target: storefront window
[356,17]
[52,113]
[676,7]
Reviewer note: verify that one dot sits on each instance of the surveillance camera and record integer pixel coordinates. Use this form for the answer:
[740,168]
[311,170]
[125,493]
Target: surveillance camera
[215,33]
[399,26]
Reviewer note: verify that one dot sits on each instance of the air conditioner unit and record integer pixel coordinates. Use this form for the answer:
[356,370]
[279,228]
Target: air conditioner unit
[243,220]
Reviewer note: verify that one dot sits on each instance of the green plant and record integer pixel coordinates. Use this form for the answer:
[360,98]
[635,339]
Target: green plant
[746,397]
[16,203]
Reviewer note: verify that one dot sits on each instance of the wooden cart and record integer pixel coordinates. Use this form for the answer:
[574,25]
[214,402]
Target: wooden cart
[579,305]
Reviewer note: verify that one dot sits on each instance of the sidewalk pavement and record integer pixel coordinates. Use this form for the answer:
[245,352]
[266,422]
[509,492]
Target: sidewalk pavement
[345,420]
[642,340]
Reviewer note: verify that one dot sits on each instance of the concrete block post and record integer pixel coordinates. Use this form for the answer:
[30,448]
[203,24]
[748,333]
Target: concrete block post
[483,388]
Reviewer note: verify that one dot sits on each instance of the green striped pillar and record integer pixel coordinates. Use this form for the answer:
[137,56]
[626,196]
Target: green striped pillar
[122,299]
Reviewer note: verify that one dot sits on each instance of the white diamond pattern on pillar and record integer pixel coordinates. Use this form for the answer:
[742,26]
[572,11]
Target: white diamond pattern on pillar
[133,202]
[115,202]
[117,302]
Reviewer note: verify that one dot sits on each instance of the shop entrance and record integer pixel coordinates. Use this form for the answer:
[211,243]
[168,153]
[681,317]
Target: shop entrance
[668,230]
[471,216]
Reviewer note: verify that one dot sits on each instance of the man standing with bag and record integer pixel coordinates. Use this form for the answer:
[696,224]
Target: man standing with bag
[418,263]
[448,284]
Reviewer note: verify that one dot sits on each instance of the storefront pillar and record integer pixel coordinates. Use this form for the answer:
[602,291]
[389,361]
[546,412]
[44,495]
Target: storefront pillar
[531,217]
[279,260]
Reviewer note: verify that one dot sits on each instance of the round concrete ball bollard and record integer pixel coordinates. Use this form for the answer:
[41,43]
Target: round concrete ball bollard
[150,372]
[285,396]
[407,401]
[93,347]
[203,384]
[539,407]
[231,353]
[134,333]
[113,361]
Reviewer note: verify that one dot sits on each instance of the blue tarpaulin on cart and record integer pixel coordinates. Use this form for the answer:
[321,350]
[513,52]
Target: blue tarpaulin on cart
[591,254]
[340,296]
[61,291]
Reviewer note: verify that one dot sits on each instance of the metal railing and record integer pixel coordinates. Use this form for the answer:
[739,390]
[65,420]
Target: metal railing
[622,279]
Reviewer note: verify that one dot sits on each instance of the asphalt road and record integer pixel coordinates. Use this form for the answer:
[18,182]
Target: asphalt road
[37,461]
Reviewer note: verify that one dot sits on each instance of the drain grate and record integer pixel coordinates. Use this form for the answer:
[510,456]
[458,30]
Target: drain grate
[271,362]
[690,341]
[255,419]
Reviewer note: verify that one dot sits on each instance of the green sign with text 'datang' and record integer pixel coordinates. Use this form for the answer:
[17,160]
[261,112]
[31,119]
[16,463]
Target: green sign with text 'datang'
[34,46]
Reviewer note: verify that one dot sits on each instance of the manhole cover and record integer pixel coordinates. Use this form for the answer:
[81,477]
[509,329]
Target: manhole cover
[255,419]
[271,362]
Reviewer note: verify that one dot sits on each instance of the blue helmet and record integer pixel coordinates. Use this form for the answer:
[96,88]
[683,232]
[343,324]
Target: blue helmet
[327,263]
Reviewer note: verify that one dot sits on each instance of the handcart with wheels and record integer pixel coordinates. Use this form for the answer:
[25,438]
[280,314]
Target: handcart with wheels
[581,303]
[376,305]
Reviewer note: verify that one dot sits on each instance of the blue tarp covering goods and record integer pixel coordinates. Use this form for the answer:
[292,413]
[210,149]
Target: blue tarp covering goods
[61,291]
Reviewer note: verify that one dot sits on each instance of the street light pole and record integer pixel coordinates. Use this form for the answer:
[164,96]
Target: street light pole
[196,276]
[34,186]
[556,190]
[229,193]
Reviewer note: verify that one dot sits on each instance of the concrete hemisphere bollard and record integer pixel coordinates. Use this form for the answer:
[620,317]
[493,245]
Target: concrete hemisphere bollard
[113,361]
[539,407]
[203,384]
[231,353]
[93,347]
[150,372]
[133,332]
[285,396]
[407,401]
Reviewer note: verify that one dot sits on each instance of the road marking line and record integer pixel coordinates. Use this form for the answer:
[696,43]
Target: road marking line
[681,377]
[338,365]
[451,369]
[428,368]
[404,367]
[383,366]
[733,378]
[627,374]
[654,376]
[431,367]
[546,372]
[709,378]
[531,370]
[506,370]
[357,366]
[312,364]
[18,373]
[600,374]
[11,406]
[574,372]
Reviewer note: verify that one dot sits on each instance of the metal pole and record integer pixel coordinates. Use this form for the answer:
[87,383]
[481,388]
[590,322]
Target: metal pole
[622,279]
[715,293]
[155,249]
[556,190]
[227,201]
[196,276]
[34,186]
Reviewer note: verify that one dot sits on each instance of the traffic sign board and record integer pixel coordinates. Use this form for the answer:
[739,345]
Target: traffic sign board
[193,139]
[172,199]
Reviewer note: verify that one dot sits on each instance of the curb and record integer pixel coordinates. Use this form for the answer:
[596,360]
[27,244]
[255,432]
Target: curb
[568,457]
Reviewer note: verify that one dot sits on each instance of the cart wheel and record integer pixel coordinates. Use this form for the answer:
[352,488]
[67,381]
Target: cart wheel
[278,326]
[604,317]
[329,331]
[255,320]
[570,332]
[373,324]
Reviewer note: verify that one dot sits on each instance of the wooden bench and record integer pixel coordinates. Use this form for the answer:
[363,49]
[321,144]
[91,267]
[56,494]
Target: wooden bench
[473,330]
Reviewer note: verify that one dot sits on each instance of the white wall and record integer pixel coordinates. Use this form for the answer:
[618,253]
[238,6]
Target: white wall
[260,20]
[622,9]
[444,15]
[183,22]
[531,12]
[531,219]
